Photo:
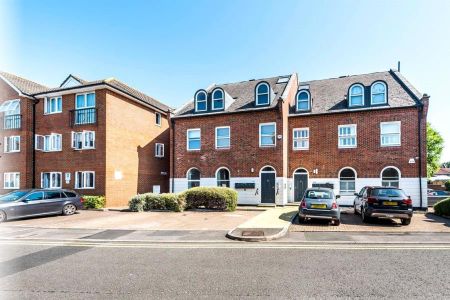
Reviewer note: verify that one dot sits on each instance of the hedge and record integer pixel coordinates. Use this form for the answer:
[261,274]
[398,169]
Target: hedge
[220,198]
[137,203]
[94,201]
[173,202]
[442,208]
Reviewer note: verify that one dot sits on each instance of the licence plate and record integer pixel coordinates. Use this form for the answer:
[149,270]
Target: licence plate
[318,206]
[390,203]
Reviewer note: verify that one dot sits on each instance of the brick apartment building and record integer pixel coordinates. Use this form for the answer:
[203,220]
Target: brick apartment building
[272,138]
[96,137]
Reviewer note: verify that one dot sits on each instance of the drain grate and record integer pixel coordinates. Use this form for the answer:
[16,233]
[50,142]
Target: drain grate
[252,233]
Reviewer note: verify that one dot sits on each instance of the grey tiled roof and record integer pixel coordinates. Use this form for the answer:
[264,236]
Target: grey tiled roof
[243,94]
[26,86]
[330,95]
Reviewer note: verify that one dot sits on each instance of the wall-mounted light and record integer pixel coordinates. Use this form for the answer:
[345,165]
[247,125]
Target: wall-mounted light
[118,175]
[252,170]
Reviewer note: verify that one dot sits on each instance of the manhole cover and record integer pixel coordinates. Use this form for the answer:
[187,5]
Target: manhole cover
[252,233]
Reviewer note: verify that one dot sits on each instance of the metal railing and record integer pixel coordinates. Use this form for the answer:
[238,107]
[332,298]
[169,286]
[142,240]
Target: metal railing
[83,116]
[12,122]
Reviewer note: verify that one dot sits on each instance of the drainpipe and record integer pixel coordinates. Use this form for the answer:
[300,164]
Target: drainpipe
[172,121]
[420,115]
[33,156]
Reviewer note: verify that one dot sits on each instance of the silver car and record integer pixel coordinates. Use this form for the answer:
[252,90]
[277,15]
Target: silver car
[38,202]
[319,203]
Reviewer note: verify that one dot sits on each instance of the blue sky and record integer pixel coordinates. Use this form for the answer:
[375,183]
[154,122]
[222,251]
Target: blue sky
[169,49]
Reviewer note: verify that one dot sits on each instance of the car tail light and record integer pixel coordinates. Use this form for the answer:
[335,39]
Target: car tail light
[407,201]
[81,199]
[372,200]
[303,204]
[334,205]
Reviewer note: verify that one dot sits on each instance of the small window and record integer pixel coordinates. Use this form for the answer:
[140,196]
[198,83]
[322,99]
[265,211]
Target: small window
[356,97]
[193,139]
[390,177]
[51,180]
[303,101]
[201,101]
[85,101]
[390,134]
[83,140]
[11,144]
[52,105]
[378,93]
[70,194]
[262,94]
[53,195]
[36,196]
[158,119]
[11,180]
[159,150]
[222,137]
[217,100]
[347,179]
[193,178]
[267,134]
[301,139]
[48,143]
[223,177]
[347,136]
[10,107]
[84,180]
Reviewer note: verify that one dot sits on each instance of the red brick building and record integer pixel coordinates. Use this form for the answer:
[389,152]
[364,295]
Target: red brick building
[272,138]
[96,137]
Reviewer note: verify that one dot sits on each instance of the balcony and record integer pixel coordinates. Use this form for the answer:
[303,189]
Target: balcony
[12,121]
[83,116]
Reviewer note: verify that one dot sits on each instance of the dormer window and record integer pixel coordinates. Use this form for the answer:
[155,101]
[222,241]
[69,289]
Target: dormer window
[356,95]
[217,99]
[378,93]
[262,94]
[200,101]
[303,101]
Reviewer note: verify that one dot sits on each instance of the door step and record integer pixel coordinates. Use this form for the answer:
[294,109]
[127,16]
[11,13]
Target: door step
[267,205]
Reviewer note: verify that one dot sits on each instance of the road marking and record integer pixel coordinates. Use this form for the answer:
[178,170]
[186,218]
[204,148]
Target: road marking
[184,245]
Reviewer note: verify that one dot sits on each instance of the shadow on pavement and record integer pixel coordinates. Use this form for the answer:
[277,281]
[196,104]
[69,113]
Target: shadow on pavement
[349,218]
[434,218]
[288,216]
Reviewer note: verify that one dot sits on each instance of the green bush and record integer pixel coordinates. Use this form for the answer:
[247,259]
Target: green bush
[447,185]
[442,208]
[137,203]
[220,198]
[94,201]
[167,201]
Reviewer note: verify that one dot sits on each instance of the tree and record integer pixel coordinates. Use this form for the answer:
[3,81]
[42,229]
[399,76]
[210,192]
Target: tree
[445,165]
[435,145]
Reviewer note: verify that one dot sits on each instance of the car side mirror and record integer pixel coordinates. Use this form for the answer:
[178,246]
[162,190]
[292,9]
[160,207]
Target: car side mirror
[25,200]
[338,196]
[356,194]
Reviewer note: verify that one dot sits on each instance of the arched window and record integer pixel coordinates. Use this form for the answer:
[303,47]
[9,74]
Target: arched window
[347,178]
[303,100]
[223,177]
[356,97]
[262,94]
[378,93]
[217,99]
[193,178]
[390,177]
[268,169]
[200,101]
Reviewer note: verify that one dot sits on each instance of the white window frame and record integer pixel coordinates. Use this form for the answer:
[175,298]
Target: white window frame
[159,150]
[218,99]
[10,107]
[85,100]
[347,192]
[46,105]
[193,180]
[399,134]
[84,134]
[257,94]
[261,136]
[350,95]
[158,119]
[16,180]
[222,138]
[8,142]
[48,144]
[391,182]
[309,100]
[84,178]
[346,136]
[225,180]
[187,139]
[51,183]
[300,139]
[196,101]
[372,93]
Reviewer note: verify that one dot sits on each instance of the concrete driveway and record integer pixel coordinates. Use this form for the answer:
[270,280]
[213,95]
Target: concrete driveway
[352,223]
[188,220]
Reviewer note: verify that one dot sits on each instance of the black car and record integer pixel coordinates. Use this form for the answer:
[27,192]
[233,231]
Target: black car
[38,202]
[383,202]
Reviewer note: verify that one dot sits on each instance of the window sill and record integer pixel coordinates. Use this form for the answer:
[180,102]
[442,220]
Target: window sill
[343,148]
[7,152]
[10,188]
[390,146]
[193,150]
[159,156]
[300,149]
[52,113]
[49,151]
[81,149]
[85,188]
[222,148]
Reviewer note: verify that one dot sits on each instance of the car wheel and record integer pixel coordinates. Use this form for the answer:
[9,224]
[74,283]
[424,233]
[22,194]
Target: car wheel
[69,209]
[337,222]
[301,220]
[355,211]
[2,216]
[364,218]
[406,221]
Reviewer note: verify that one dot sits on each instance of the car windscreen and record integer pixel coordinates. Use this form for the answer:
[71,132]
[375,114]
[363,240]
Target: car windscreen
[388,193]
[316,194]
[13,196]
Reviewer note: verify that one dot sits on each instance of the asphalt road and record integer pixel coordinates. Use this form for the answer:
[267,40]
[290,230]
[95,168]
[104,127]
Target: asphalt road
[112,270]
